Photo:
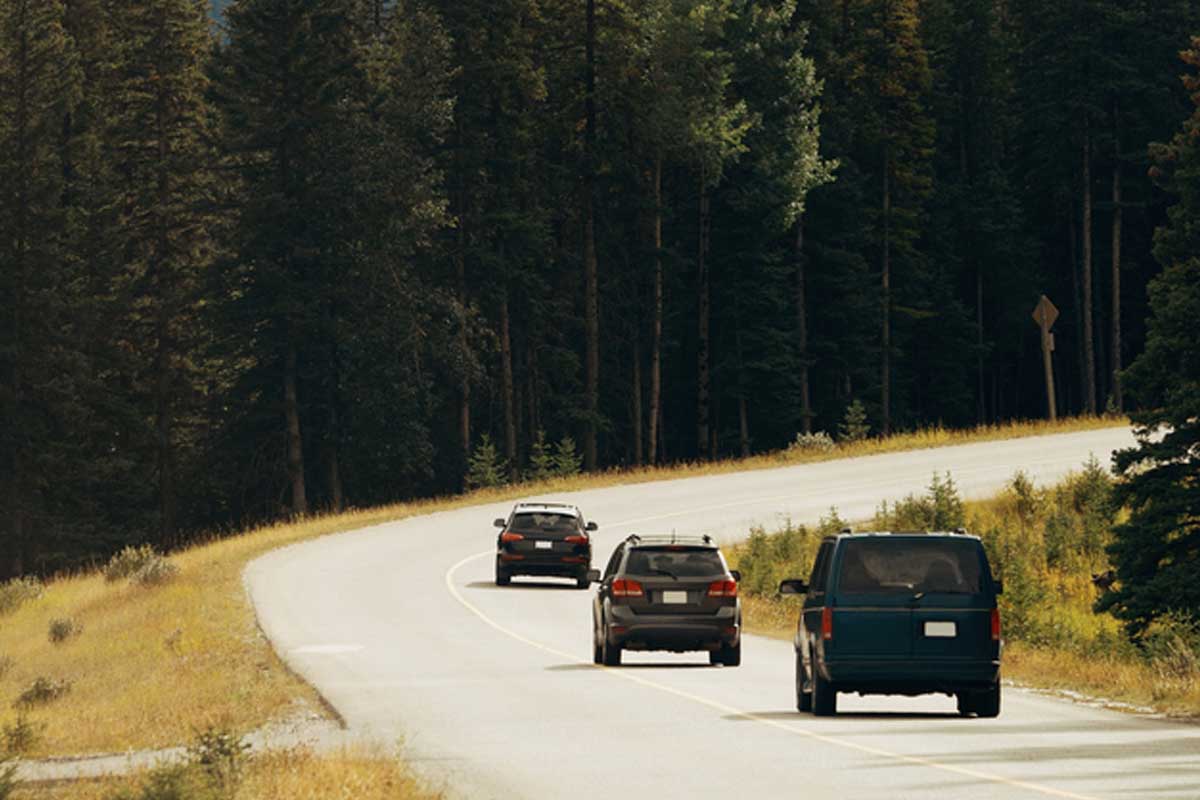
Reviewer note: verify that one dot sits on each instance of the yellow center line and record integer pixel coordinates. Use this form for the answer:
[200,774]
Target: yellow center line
[739,713]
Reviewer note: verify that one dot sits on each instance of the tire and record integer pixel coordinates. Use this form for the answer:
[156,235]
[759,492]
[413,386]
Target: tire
[597,653]
[987,703]
[610,654]
[803,699]
[731,656]
[966,703]
[503,576]
[824,696]
[582,582]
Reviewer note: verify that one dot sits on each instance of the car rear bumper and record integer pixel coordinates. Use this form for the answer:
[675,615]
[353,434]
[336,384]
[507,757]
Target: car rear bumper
[675,632]
[558,564]
[909,676]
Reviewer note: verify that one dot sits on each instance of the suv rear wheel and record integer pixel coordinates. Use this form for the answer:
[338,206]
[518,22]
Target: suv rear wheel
[610,654]
[824,696]
[503,577]
[581,580]
[730,656]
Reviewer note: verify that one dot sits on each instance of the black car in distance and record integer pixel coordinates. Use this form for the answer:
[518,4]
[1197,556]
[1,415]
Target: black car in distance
[545,539]
[667,593]
[899,613]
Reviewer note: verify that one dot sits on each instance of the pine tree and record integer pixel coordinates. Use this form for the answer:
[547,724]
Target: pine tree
[567,462]
[541,460]
[1157,551]
[854,426]
[486,468]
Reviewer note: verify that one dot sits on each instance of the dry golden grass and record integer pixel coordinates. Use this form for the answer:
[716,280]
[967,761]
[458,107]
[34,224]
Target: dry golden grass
[291,774]
[154,664]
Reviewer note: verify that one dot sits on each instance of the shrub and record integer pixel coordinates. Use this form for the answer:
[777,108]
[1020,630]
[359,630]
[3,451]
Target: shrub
[221,754]
[18,591]
[940,509]
[805,443]
[20,735]
[63,628]
[42,691]
[8,777]
[485,467]
[174,782]
[155,572]
[854,426]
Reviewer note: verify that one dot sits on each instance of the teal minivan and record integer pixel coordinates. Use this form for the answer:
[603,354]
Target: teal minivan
[898,613]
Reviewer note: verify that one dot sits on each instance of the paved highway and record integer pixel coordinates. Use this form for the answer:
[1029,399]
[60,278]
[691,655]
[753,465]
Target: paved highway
[493,694]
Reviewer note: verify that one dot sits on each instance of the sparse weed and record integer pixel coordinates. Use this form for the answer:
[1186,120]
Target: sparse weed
[64,628]
[174,782]
[142,565]
[221,754]
[42,691]
[20,735]
[8,777]
[809,443]
[18,591]
[155,572]
[6,665]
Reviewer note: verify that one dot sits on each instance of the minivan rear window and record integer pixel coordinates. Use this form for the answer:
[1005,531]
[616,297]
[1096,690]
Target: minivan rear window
[533,524]
[885,566]
[676,562]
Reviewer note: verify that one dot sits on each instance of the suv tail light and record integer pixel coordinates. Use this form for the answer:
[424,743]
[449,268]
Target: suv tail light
[576,539]
[995,624]
[827,623]
[724,588]
[624,587]
[509,538]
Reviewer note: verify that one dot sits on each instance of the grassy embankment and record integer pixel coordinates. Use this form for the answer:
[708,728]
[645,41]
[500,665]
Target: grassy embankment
[1045,543]
[147,666]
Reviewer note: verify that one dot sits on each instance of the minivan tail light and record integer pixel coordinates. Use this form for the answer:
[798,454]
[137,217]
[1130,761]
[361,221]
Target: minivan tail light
[576,539]
[995,624]
[509,538]
[624,587]
[827,623]
[722,589]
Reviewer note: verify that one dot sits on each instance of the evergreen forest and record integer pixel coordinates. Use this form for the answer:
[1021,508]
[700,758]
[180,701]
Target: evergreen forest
[292,256]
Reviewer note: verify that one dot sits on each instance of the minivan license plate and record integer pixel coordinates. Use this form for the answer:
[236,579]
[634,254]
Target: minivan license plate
[941,630]
[544,545]
[674,597]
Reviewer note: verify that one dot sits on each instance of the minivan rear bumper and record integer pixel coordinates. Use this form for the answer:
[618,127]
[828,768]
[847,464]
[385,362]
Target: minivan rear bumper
[910,676]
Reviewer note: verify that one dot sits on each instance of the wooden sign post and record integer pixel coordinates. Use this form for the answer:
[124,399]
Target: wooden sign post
[1044,315]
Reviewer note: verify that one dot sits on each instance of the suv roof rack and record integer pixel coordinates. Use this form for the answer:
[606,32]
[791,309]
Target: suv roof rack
[539,504]
[668,538]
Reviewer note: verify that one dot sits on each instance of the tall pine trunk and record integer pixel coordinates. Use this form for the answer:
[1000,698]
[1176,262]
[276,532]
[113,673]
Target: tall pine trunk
[806,413]
[295,445]
[591,287]
[162,357]
[460,275]
[885,376]
[1089,339]
[635,411]
[1117,395]
[506,373]
[657,324]
[702,328]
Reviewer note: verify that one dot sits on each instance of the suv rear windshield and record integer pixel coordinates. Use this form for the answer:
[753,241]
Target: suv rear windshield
[680,562]
[885,566]
[544,523]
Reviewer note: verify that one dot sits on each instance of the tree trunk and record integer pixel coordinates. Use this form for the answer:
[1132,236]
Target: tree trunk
[506,373]
[744,426]
[1077,297]
[591,288]
[657,325]
[636,409]
[806,413]
[333,463]
[886,286]
[162,357]
[295,446]
[702,332]
[1089,342]
[1117,395]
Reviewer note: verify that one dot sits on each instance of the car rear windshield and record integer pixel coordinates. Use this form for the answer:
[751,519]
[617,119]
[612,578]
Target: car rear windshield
[678,562]
[551,523]
[885,566]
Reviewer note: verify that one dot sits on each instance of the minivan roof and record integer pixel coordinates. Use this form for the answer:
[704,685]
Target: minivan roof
[908,535]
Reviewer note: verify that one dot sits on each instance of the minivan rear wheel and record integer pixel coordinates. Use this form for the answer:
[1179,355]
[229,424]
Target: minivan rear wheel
[803,699]
[987,703]
[824,696]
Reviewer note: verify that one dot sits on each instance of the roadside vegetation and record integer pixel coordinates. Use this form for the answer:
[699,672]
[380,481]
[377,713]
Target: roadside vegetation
[1050,547]
[150,659]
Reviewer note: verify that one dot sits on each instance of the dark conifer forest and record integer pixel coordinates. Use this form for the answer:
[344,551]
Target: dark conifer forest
[293,256]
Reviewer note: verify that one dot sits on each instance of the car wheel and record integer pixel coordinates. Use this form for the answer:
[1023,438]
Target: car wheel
[966,704]
[597,654]
[987,703]
[803,698]
[582,582]
[503,576]
[731,656]
[824,696]
[610,654]
[714,656]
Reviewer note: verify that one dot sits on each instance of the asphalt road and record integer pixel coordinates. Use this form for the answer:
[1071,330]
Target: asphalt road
[493,693]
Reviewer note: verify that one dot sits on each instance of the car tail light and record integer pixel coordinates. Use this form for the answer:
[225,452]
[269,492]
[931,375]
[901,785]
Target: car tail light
[827,623]
[576,539]
[722,589]
[509,538]
[624,587]
[995,624]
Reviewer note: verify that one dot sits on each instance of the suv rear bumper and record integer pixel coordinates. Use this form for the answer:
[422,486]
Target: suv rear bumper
[557,565]
[676,632]
[909,676]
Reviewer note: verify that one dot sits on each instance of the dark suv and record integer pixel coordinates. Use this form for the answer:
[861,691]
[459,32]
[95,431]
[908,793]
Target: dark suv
[544,539]
[667,593]
[888,613]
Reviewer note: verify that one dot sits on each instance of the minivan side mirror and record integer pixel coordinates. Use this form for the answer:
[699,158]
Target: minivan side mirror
[500,523]
[793,586]
[591,526]
[737,574]
[593,576]
[998,585]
